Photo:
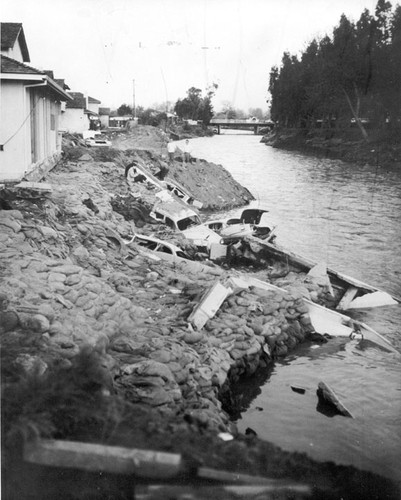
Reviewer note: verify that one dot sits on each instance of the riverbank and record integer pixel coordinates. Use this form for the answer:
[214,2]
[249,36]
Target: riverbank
[95,336]
[380,149]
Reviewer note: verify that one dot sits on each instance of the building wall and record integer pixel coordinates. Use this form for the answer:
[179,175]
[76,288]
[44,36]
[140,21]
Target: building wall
[104,121]
[28,130]
[93,106]
[14,133]
[14,53]
[74,120]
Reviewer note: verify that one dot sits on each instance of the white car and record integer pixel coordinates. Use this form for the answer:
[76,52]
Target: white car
[188,222]
[156,245]
[251,222]
[181,193]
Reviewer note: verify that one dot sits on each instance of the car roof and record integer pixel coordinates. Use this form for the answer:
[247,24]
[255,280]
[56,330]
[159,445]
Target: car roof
[156,240]
[174,210]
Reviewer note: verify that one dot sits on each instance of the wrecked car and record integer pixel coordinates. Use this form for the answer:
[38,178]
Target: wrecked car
[157,245]
[251,222]
[188,222]
[181,193]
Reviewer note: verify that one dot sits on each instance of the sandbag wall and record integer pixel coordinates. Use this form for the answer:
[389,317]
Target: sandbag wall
[255,323]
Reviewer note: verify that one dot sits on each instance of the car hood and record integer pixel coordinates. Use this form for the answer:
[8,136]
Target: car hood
[202,235]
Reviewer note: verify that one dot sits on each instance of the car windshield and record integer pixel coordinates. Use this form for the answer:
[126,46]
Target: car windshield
[182,254]
[148,244]
[188,222]
[165,249]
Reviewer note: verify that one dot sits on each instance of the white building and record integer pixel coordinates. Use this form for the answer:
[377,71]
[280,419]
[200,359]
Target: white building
[80,114]
[30,107]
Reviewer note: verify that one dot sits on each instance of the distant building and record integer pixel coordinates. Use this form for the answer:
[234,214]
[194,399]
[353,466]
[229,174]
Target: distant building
[104,116]
[93,105]
[30,104]
[119,121]
[93,113]
[81,114]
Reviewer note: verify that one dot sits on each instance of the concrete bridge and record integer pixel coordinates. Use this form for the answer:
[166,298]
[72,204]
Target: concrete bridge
[220,123]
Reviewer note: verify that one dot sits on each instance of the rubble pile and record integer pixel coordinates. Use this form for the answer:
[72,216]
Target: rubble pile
[71,279]
[313,285]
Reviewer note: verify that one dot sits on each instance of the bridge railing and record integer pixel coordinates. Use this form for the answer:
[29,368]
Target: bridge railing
[228,121]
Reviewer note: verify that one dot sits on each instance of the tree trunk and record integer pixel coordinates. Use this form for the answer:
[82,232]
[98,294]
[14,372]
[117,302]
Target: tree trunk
[355,115]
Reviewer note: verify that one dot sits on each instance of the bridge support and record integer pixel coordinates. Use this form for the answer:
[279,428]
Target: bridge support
[255,129]
[218,129]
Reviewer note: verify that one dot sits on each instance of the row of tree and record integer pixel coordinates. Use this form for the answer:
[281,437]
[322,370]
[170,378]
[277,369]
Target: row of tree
[192,107]
[146,116]
[354,76]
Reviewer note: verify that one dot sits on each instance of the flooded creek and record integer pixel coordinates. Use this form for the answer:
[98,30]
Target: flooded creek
[349,216]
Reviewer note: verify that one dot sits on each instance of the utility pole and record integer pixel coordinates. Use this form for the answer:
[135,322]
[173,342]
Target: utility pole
[133,102]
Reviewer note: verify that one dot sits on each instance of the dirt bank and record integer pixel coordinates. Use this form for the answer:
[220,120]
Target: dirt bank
[96,344]
[381,149]
[149,144]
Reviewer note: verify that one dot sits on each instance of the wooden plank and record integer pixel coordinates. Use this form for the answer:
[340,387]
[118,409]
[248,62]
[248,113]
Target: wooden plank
[289,488]
[238,478]
[347,298]
[38,188]
[220,492]
[98,457]
[209,305]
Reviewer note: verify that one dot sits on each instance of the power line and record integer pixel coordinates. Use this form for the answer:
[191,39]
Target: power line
[22,124]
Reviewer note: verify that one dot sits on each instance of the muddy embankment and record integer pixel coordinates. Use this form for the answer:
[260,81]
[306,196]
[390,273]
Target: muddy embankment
[382,147]
[96,343]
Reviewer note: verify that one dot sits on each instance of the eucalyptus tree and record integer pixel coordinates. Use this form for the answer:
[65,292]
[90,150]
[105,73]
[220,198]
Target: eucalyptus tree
[395,68]
[354,74]
[196,107]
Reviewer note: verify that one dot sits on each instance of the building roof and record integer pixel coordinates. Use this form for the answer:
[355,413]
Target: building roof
[15,70]
[9,65]
[61,83]
[10,33]
[92,100]
[78,100]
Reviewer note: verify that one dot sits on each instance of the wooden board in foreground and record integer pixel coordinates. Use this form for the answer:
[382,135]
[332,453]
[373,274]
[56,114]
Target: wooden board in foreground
[236,479]
[98,457]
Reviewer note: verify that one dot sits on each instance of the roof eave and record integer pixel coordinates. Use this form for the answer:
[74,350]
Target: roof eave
[37,78]
[21,76]
[58,89]
[24,46]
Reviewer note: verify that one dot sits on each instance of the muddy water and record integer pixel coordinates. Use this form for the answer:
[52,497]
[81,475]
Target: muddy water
[350,217]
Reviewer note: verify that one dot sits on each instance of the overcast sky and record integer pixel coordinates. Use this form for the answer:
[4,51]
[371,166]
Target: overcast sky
[168,46]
